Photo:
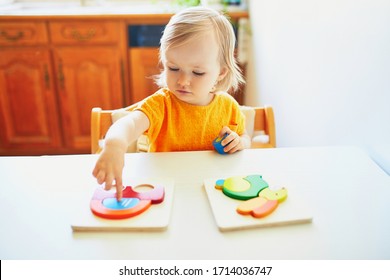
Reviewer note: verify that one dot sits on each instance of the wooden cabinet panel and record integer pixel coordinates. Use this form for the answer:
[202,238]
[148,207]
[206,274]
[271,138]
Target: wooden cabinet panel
[143,66]
[84,32]
[23,34]
[28,107]
[86,78]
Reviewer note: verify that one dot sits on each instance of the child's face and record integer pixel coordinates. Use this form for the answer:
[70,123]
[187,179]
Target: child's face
[193,69]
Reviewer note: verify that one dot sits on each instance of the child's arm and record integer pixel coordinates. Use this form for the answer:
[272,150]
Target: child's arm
[234,142]
[121,134]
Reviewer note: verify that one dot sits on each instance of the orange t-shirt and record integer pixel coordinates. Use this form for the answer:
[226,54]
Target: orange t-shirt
[179,126]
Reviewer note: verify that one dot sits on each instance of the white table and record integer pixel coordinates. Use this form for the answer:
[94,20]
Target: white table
[348,193]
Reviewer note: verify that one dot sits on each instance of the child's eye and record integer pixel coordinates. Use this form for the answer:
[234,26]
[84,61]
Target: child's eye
[173,69]
[198,73]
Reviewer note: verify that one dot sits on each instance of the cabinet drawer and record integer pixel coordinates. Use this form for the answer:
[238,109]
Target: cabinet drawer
[71,32]
[23,33]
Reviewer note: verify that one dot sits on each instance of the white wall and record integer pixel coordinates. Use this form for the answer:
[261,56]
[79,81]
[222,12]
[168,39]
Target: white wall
[324,65]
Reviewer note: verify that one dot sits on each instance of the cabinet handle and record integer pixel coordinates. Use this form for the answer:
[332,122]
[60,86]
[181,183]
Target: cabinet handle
[61,77]
[80,37]
[46,76]
[12,38]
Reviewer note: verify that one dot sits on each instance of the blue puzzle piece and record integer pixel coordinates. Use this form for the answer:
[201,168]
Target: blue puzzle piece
[217,144]
[125,203]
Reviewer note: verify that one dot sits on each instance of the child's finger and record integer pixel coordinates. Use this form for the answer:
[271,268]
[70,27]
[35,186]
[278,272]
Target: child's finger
[100,176]
[234,148]
[119,188]
[231,147]
[224,130]
[108,182]
[228,139]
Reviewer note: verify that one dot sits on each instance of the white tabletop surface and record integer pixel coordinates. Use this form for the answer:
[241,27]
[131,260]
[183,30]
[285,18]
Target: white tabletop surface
[346,191]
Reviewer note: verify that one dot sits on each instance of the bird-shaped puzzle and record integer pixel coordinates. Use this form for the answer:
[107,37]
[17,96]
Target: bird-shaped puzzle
[259,199]
[249,201]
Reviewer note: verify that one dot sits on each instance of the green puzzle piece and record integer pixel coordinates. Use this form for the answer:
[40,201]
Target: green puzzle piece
[244,188]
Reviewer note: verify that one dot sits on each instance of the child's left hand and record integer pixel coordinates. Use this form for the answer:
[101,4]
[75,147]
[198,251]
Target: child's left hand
[233,142]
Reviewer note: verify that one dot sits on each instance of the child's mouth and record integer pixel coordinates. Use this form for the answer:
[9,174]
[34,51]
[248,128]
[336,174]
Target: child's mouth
[183,92]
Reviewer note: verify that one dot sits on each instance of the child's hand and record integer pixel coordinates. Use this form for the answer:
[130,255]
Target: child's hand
[108,169]
[233,142]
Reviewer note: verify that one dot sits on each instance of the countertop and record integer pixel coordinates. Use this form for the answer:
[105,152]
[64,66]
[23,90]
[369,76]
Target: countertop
[116,8]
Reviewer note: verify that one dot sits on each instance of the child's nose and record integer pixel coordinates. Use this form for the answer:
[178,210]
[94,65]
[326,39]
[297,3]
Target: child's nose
[183,80]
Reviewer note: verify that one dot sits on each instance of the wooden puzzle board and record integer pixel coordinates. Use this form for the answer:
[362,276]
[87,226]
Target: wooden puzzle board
[156,218]
[291,211]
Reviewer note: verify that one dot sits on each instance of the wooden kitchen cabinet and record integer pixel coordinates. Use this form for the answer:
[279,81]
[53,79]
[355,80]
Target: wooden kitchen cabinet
[90,69]
[28,107]
[28,104]
[87,78]
[48,87]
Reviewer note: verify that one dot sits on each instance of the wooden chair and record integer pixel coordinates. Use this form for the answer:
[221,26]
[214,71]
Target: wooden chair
[263,128]
[101,120]
[262,120]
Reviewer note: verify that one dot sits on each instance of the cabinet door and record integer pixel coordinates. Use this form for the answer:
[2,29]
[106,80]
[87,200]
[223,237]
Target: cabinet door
[143,66]
[87,77]
[28,107]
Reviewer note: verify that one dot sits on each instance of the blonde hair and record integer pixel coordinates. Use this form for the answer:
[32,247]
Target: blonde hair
[193,22]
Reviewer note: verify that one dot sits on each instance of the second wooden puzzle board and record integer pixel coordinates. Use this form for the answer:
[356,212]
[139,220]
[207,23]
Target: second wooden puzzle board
[291,211]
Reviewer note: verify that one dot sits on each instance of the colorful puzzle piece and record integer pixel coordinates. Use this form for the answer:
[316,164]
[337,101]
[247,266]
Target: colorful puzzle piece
[242,188]
[104,204]
[218,145]
[258,207]
[260,200]
[279,195]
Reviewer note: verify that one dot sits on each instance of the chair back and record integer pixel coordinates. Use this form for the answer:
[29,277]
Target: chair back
[264,124]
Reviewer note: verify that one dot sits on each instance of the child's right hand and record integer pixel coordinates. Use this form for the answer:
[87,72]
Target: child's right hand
[108,169]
